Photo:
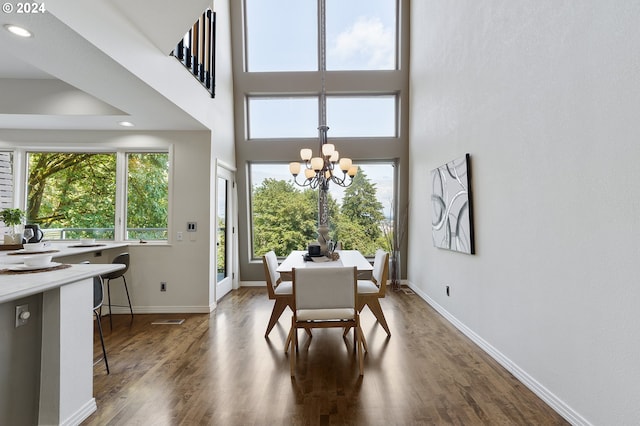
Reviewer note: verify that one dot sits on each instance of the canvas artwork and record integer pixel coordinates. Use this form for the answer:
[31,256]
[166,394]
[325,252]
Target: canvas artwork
[452,221]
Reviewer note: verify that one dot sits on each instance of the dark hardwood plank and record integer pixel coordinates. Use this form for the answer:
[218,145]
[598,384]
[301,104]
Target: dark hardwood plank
[219,369]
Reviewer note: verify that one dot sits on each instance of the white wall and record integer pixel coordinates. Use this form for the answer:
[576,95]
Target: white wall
[544,96]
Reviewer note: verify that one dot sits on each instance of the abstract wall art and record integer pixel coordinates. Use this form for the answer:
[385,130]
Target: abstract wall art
[452,220]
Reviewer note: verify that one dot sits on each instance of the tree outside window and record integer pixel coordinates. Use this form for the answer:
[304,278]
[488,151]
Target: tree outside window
[285,216]
[73,195]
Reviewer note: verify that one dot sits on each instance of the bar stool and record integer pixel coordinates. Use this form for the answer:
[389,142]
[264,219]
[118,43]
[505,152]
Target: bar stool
[122,258]
[98,298]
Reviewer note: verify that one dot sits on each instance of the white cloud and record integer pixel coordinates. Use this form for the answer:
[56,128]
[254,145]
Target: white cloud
[366,44]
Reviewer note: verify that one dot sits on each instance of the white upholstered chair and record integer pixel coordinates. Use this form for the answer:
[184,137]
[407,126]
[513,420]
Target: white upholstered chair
[370,291]
[325,297]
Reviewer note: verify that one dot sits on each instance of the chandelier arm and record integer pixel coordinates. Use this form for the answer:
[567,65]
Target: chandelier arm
[306,182]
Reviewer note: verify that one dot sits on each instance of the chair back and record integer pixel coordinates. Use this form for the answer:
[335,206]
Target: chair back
[380,272]
[98,292]
[325,287]
[270,263]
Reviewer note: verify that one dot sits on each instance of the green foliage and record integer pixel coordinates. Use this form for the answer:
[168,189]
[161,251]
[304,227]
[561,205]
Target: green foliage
[362,216]
[221,249]
[284,218]
[148,195]
[71,190]
[11,216]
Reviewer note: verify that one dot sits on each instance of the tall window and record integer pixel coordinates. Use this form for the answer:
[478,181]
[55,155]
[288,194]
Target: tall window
[285,216]
[289,87]
[74,195]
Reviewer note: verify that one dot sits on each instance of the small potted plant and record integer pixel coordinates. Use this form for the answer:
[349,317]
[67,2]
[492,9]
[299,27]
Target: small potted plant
[12,218]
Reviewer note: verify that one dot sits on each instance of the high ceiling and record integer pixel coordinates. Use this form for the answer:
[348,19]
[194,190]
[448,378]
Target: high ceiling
[59,80]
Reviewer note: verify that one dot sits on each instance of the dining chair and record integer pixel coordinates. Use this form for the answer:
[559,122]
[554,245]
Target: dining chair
[325,297]
[278,290]
[370,291]
[123,259]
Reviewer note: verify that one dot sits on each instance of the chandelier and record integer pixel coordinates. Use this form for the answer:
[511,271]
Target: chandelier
[320,170]
[324,168]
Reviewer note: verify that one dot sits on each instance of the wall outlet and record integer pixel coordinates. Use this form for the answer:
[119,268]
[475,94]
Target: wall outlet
[447,290]
[163,286]
[192,226]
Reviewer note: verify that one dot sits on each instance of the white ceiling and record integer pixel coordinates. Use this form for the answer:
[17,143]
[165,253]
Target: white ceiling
[40,75]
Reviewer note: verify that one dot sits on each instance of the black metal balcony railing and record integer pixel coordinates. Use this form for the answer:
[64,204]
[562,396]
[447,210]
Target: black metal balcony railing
[197,50]
[150,234]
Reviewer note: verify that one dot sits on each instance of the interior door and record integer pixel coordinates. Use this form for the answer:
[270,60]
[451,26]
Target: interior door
[224,233]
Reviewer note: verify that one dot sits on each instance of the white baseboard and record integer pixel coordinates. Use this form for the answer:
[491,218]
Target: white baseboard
[253,284]
[83,413]
[162,310]
[545,394]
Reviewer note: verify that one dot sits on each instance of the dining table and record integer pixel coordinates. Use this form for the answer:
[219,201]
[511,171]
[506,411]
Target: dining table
[296,259]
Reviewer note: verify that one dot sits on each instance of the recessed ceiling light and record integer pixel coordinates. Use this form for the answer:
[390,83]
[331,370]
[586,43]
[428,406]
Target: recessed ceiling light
[126,124]
[19,31]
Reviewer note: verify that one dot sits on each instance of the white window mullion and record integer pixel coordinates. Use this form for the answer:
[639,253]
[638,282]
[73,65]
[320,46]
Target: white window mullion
[120,232]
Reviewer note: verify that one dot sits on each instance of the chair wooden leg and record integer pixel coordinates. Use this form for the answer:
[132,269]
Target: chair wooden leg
[374,305]
[294,344]
[359,346]
[288,342]
[278,308]
[363,339]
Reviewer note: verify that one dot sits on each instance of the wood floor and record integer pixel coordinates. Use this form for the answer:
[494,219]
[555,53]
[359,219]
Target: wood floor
[219,369]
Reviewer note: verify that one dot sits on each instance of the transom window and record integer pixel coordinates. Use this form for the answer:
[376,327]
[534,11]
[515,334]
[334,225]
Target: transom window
[280,117]
[361,35]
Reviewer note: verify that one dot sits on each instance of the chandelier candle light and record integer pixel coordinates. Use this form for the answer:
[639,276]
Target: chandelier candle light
[320,170]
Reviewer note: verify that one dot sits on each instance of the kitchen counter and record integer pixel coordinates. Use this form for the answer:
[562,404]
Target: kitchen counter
[61,325]
[59,250]
[16,286]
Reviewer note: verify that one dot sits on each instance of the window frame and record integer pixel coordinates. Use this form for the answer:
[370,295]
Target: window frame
[120,221]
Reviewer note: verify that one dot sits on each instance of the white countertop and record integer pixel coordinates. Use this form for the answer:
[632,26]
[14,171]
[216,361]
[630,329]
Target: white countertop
[16,286]
[65,248]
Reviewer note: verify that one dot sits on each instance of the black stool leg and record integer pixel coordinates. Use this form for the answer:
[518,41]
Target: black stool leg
[104,351]
[128,298]
[109,297]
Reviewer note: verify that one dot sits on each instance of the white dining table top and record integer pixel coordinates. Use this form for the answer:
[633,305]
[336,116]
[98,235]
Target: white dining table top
[347,258]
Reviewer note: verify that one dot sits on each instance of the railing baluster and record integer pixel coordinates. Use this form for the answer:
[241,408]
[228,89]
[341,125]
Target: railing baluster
[197,50]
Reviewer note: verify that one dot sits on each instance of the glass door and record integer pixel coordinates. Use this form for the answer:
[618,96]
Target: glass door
[224,233]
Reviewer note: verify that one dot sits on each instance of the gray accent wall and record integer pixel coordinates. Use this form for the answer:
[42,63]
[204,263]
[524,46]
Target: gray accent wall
[545,96]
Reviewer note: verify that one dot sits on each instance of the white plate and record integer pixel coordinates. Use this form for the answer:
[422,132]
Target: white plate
[23,267]
[44,250]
